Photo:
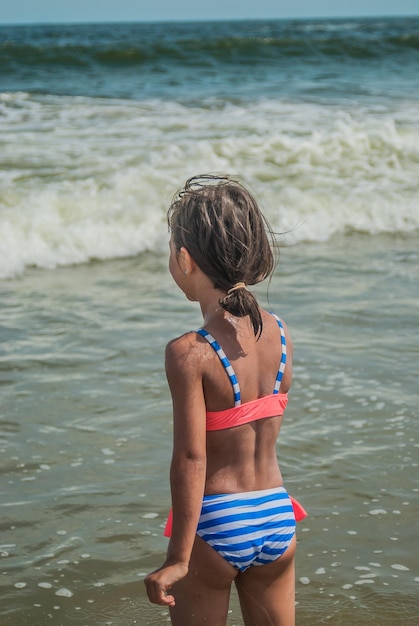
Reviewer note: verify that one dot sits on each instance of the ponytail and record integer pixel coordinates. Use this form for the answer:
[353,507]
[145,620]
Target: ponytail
[240,302]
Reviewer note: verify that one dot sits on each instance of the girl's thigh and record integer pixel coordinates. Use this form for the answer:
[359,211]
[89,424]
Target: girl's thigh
[202,597]
[267,592]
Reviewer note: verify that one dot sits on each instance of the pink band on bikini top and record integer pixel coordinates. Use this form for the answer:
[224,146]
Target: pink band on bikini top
[268,406]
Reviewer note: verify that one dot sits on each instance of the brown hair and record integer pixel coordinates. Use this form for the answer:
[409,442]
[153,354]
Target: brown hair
[220,224]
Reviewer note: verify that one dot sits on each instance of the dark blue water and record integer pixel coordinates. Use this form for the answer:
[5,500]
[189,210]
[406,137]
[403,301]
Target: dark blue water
[316,59]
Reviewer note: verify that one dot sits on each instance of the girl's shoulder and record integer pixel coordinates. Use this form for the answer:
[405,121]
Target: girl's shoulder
[182,342]
[184,351]
[272,317]
[271,334]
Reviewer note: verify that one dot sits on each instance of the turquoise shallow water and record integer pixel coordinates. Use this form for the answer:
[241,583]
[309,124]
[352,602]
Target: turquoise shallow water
[86,434]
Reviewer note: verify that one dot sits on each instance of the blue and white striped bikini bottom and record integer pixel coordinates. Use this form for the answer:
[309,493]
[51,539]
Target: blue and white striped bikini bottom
[250,528]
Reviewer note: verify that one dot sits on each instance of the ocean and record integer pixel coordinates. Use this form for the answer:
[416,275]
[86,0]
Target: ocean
[99,126]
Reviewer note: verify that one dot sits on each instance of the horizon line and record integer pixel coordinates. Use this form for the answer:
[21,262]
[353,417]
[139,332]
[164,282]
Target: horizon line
[215,19]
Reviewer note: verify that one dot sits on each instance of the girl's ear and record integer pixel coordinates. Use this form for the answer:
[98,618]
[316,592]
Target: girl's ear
[186,262]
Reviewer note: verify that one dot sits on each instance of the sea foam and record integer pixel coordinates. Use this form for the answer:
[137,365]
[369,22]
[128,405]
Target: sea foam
[86,178]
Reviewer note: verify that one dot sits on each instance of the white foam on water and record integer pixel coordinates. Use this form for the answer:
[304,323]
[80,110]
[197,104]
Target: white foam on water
[64,592]
[364,581]
[85,178]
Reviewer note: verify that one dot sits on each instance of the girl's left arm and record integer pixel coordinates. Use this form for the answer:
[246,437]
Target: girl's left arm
[188,467]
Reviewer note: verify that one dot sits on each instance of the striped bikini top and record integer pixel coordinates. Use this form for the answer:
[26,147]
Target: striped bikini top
[267,406]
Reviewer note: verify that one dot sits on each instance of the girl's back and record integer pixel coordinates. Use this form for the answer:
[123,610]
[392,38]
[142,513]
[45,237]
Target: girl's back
[243,458]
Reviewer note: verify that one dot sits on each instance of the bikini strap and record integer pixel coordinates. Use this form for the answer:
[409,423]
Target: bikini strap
[225,362]
[283,356]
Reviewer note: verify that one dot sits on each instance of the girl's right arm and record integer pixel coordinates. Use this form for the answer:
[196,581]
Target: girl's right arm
[188,467]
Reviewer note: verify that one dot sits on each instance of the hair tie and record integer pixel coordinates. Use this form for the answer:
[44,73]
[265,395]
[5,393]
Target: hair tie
[236,286]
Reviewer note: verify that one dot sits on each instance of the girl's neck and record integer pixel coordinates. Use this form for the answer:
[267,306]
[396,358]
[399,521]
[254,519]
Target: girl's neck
[211,308]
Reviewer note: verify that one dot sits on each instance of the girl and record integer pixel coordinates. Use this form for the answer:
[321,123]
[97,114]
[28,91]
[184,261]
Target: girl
[232,518]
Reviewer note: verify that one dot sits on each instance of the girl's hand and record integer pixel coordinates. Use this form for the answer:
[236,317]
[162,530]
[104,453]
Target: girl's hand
[159,582]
